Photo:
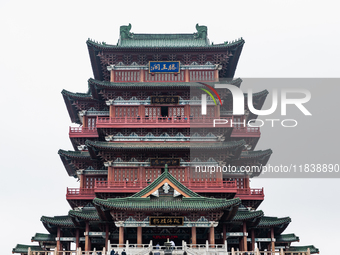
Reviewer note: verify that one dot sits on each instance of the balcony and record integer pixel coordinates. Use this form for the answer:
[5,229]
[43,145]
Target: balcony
[82,132]
[80,193]
[159,122]
[246,132]
[250,194]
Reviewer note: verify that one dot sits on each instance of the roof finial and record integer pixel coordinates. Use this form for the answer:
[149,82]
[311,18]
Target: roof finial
[166,168]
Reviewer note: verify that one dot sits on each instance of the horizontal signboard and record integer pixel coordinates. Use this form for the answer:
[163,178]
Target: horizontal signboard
[164,67]
[164,99]
[166,221]
[163,161]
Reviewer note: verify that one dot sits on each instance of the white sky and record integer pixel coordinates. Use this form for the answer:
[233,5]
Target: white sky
[44,51]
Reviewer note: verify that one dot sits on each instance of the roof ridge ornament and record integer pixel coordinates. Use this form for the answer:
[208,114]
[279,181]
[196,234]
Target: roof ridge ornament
[125,32]
[202,32]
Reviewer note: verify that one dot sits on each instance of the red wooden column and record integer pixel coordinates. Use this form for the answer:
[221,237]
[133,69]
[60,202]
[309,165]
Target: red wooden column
[81,181]
[106,236]
[186,75]
[252,239]
[245,248]
[112,111]
[112,76]
[58,239]
[110,174]
[87,237]
[139,236]
[121,236]
[77,238]
[193,236]
[272,241]
[212,235]
[216,75]
[224,233]
[141,75]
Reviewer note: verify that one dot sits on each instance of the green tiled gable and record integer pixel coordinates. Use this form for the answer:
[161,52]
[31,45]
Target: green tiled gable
[22,248]
[63,221]
[39,237]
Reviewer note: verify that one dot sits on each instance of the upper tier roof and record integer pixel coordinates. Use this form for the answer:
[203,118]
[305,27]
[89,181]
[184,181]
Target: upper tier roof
[103,54]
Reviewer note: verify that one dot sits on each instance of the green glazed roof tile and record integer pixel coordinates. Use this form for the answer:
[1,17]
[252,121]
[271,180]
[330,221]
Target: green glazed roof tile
[63,221]
[256,154]
[273,221]
[185,204]
[22,248]
[247,215]
[85,214]
[312,249]
[39,237]
[287,238]
[74,154]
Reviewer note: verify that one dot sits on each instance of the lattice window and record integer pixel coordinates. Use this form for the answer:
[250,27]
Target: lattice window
[186,59]
[90,181]
[142,59]
[194,216]
[153,111]
[201,59]
[126,111]
[172,57]
[176,111]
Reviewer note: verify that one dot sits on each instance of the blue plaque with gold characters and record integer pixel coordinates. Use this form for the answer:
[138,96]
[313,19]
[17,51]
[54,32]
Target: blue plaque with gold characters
[164,66]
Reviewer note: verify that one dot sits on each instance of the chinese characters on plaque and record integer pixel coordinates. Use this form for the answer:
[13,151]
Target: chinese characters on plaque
[164,67]
[163,161]
[166,221]
[164,99]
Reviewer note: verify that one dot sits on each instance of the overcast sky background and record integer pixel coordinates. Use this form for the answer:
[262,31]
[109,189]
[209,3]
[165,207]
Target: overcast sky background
[44,50]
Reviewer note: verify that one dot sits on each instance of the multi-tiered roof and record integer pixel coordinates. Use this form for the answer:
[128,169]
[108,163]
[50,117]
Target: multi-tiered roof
[136,159]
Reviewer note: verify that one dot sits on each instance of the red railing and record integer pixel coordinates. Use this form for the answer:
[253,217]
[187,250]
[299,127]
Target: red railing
[80,191]
[83,131]
[246,132]
[161,120]
[251,192]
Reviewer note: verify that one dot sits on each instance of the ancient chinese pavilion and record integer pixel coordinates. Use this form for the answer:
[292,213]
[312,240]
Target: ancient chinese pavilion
[147,156]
